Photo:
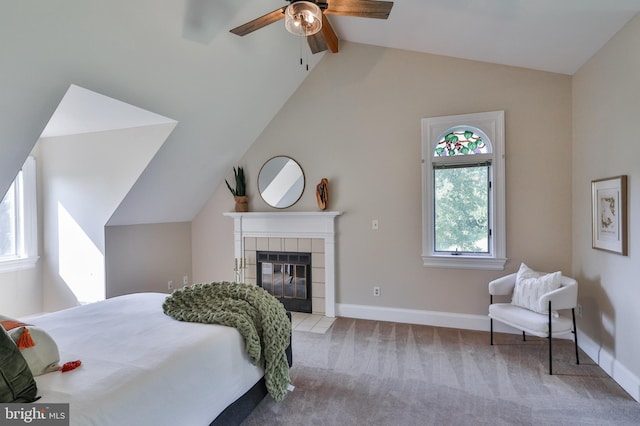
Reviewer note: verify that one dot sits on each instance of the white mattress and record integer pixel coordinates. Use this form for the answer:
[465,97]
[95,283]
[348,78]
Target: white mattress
[141,367]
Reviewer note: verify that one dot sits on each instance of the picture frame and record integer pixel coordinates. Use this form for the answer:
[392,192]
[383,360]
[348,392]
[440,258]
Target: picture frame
[609,214]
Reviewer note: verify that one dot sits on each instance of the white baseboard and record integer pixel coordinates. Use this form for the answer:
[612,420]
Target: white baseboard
[625,378]
[614,368]
[591,348]
[414,316]
[433,318]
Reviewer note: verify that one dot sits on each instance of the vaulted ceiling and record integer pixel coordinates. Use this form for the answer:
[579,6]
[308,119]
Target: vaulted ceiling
[178,59]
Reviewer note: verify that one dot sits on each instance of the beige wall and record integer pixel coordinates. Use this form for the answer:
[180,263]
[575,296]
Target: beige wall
[141,258]
[21,292]
[356,121]
[606,108]
[212,238]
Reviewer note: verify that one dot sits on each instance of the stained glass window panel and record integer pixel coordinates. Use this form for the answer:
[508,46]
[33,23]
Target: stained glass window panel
[460,142]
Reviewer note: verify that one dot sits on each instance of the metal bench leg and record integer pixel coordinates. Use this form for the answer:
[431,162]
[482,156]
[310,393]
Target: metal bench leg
[491,326]
[575,334]
[550,341]
[491,319]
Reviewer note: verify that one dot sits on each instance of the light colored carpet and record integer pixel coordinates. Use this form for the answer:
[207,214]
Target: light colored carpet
[379,373]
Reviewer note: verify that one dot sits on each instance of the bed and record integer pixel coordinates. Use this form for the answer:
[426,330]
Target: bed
[142,367]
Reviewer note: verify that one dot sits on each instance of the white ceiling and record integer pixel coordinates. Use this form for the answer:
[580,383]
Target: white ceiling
[550,35]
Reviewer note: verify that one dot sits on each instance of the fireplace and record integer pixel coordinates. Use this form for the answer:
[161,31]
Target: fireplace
[301,232]
[287,276]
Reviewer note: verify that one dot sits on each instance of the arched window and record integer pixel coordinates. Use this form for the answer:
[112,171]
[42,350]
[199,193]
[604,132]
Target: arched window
[463,191]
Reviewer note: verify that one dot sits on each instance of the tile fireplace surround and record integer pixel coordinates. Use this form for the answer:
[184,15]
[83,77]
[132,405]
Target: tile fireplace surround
[312,232]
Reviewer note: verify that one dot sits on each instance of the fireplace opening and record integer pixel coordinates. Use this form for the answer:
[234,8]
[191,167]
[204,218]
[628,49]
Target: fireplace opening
[287,276]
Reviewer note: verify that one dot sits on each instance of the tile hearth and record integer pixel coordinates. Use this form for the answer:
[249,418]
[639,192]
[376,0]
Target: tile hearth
[311,322]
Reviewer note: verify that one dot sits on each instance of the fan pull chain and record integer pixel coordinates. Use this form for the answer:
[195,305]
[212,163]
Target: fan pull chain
[306,54]
[300,48]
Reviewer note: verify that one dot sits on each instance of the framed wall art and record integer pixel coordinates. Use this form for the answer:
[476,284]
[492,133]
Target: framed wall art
[609,214]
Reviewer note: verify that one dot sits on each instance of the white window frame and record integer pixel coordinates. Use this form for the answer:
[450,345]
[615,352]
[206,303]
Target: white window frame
[492,124]
[27,211]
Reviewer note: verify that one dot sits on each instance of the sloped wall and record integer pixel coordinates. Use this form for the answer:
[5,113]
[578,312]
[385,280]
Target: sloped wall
[177,59]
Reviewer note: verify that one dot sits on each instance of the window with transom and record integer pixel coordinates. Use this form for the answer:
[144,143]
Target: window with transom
[463,191]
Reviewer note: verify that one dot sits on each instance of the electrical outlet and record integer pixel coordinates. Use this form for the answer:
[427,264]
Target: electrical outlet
[375,225]
[579,310]
[170,285]
[376,291]
[185,280]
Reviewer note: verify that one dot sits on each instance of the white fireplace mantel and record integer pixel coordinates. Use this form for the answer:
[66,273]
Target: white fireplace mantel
[292,225]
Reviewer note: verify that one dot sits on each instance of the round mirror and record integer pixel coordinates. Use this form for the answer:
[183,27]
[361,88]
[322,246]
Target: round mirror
[281,182]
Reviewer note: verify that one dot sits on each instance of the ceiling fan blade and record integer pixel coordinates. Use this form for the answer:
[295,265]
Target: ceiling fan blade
[329,34]
[317,43]
[360,8]
[260,22]
[325,39]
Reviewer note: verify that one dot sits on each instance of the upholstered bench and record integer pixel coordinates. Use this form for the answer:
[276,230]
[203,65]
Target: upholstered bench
[537,303]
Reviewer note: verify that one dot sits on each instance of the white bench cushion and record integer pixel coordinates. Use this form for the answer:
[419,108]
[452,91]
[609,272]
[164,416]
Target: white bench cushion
[529,321]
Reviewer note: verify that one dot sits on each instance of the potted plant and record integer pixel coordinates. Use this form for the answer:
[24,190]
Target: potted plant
[239,193]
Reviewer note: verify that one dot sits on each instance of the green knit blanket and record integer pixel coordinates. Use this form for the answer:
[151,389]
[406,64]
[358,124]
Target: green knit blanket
[259,317]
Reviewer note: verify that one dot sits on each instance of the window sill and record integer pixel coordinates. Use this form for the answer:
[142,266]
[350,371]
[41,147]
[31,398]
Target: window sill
[18,264]
[464,262]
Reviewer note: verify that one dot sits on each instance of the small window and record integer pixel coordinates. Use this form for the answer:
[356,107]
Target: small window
[18,221]
[463,192]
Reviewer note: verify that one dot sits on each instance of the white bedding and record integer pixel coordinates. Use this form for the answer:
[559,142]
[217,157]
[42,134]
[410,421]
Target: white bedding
[141,367]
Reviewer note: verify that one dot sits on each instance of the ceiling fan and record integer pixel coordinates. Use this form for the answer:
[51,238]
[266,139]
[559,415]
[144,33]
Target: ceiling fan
[307,18]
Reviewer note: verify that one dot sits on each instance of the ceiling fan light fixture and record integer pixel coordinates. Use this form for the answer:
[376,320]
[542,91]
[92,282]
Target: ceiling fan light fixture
[303,18]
